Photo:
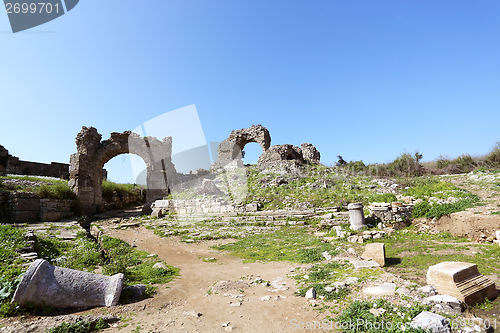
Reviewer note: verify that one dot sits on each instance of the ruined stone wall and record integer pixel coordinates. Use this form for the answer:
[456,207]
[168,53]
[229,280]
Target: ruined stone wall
[13,165]
[54,169]
[390,212]
[230,150]
[202,206]
[27,207]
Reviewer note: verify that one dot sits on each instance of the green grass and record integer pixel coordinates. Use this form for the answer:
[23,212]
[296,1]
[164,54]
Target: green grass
[432,187]
[109,187]
[80,327]
[292,244]
[134,264]
[410,254]
[394,319]
[50,188]
[115,256]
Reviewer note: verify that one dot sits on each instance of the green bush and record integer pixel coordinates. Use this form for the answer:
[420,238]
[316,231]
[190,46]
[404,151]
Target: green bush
[438,210]
[406,165]
[55,191]
[420,209]
[493,158]
[108,188]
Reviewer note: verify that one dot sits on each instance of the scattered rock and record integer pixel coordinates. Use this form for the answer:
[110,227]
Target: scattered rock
[449,304]
[160,265]
[430,321]
[192,314]
[351,280]
[311,294]
[365,264]
[265,298]
[428,290]
[383,289]
[326,255]
[403,291]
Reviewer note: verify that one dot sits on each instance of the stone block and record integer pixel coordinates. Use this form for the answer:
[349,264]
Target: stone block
[252,207]
[49,216]
[497,234]
[365,264]
[461,280]
[383,289]
[157,212]
[25,216]
[375,252]
[162,203]
[26,204]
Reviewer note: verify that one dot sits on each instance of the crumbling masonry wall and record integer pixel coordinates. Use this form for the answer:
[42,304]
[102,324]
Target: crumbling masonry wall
[230,150]
[13,165]
[92,154]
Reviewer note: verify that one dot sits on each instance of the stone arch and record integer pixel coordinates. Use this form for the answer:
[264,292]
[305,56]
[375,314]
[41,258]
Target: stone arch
[92,154]
[231,148]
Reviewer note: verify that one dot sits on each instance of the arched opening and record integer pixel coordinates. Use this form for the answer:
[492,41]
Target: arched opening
[251,153]
[125,185]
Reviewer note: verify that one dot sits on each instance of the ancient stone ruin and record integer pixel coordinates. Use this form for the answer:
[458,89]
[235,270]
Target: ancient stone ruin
[13,165]
[92,154]
[230,150]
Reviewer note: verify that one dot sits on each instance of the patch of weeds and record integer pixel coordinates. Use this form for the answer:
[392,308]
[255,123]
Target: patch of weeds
[135,265]
[495,213]
[434,188]
[335,294]
[420,209]
[212,259]
[416,252]
[392,318]
[80,327]
[486,305]
[292,244]
[438,210]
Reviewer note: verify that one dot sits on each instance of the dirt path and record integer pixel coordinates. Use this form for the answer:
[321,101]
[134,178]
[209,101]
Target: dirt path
[175,309]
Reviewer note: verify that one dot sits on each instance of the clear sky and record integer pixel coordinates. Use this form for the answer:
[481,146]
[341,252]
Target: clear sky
[363,79]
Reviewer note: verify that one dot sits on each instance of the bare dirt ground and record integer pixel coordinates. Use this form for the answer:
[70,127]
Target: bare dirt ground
[187,306]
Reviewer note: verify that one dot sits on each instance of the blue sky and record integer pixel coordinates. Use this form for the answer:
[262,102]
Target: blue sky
[362,79]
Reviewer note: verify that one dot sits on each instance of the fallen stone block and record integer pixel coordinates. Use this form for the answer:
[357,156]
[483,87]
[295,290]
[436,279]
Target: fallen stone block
[446,303]
[430,321]
[461,280]
[47,285]
[365,264]
[383,289]
[359,264]
[428,290]
[375,252]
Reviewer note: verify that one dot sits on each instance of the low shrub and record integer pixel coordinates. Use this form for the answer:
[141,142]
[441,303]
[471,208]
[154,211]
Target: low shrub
[80,327]
[438,210]
[420,209]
